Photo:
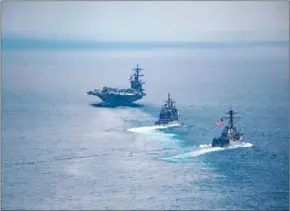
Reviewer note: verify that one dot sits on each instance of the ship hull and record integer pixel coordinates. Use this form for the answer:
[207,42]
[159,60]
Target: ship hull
[225,142]
[168,123]
[220,142]
[113,99]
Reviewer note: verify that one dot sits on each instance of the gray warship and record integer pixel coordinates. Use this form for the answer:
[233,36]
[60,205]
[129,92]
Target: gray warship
[116,96]
[230,134]
[168,114]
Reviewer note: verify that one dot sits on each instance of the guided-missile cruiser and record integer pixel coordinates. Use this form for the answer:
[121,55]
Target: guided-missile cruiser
[168,114]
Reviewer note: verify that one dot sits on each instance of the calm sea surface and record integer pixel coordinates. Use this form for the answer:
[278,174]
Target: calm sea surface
[59,151]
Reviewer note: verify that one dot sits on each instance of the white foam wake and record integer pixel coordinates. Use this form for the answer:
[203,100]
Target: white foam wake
[146,129]
[166,139]
[204,149]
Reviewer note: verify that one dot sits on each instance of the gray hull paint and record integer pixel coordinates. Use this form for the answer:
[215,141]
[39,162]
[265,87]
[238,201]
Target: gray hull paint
[119,99]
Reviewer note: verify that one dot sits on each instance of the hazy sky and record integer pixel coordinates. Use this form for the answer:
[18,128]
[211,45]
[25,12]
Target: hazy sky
[148,21]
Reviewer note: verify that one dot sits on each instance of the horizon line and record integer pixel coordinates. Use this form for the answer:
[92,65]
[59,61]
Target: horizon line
[36,44]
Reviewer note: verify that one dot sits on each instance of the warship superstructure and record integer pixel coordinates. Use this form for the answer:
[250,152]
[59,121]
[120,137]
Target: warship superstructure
[168,114]
[117,96]
[231,134]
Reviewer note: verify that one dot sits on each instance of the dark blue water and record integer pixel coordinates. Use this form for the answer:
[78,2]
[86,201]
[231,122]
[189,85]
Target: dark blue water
[60,152]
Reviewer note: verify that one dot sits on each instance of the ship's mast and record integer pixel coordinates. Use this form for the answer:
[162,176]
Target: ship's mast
[169,101]
[231,117]
[231,113]
[136,83]
[137,72]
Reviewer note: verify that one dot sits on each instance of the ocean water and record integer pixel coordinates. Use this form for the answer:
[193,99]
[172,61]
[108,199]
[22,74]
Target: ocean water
[61,151]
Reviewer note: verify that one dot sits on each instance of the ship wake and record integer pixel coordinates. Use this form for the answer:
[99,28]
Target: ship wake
[167,140]
[202,150]
[148,129]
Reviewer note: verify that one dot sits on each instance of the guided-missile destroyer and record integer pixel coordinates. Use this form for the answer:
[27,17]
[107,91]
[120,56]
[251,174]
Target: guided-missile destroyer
[116,96]
[230,134]
[168,114]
